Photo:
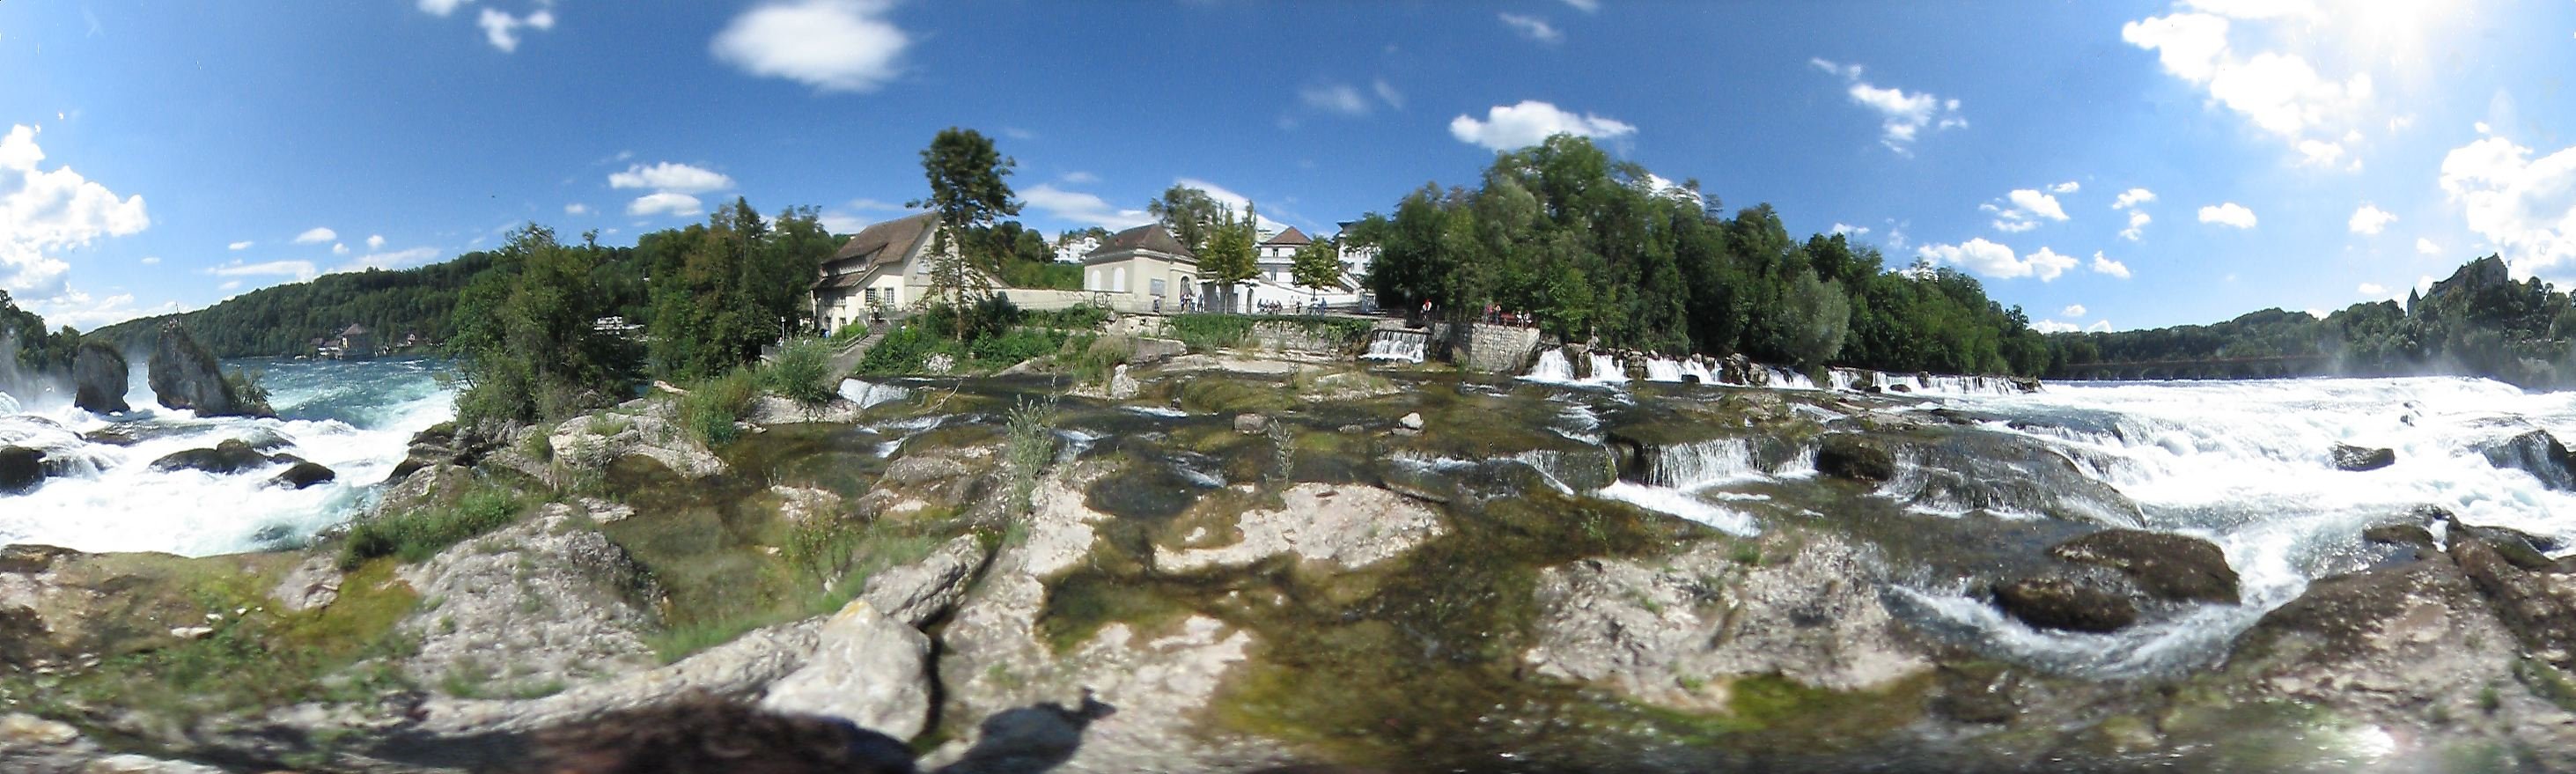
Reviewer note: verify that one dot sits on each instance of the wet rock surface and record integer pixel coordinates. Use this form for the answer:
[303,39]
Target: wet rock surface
[2165,565]
[2070,604]
[99,379]
[2352,458]
[21,469]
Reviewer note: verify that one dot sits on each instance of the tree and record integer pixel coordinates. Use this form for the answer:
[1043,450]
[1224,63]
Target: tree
[1316,265]
[1191,216]
[968,194]
[1228,258]
[525,345]
[1822,315]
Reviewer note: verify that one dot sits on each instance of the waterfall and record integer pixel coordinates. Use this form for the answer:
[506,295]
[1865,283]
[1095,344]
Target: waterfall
[1606,370]
[1391,345]
[1697,369]
[1700,464]
[1790,379]
[1662,370]
[1552,368]
[868,394]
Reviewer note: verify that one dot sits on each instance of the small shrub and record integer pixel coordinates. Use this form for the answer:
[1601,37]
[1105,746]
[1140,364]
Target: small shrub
[823,548]
[710,410]
[802,373]
[1032,446]
[1205,332]
[903,349]
[417,535]
[245,386]
[1080,317]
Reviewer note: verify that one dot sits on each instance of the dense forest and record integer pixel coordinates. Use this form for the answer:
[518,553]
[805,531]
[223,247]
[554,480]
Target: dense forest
[2478,322]
[285,319]
[1596,249]
[34,348]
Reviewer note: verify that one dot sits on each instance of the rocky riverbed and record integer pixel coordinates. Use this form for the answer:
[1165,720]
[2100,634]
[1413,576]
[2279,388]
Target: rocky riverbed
[1236,564]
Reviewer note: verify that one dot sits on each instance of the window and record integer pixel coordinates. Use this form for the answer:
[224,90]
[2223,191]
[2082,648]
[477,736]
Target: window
[1118,280]
[1156,288]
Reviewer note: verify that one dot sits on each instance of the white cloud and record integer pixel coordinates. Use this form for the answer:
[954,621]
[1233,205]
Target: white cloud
[1998,261]
[2370,220]
[2372,289]
[1849,230]
[441,7]
[1532,27]
[238,246]
[2228,214]
[1902,116]
[831,45]
[340,249]
[1386,91]
[2525,206]
[502,29]
[2280,92]
[1080,178]
[375,241]
[2138,221]
[2132,198]
[316,235]
[664,203]
[576,208]
[848,219]
[1081,208]
[230,285]
[44,213]
[1225,196]
[2104,265]
[2426,246]
[1586,6]
[2098,326]
[2072,310]
[302,270]
[2053,326]
[671,178]
[1335,98]
[151,260]
[2023,211]
[2067,187]
[80,310]
[1510,127]
[398,259]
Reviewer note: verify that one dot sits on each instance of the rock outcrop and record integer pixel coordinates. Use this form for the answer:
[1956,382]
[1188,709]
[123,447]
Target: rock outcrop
[868,669]
[2348,457]
[539,605]
[99,378]
[184,375]
[2056,602]
[2164,565]
[304,474]
[2538,453]
[1853,457]
[226,458]
[21,469]
[2534,596]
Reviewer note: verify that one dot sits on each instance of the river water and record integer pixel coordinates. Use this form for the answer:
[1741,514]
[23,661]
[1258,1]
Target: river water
[354,417]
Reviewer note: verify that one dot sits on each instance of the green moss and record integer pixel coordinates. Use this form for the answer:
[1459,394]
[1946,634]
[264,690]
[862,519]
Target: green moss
[416,534]
[1221,395]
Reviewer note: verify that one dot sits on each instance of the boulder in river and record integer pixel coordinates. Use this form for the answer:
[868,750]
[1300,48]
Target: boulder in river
[2538,453]
[304,474]
[2164,565]
[99,378]
[21,469]
[1853,457]
[2360,458]
[184,375]
[2065,603]
[231,456]
[2534,595]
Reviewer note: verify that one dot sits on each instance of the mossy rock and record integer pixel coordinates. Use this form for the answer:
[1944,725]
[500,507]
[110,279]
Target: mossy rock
[1220,395]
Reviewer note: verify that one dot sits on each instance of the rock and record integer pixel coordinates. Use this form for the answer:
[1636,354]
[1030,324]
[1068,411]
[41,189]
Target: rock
[2538,453]
[2355,458]
[227,458]
[193,632]
[99,379]
[921,592]
[1345,527]
[184,375]
[939,363]
[539,603]
[775,410]
[303,474]
[2533,595]
[1852,457]
[2164,565]
[34,745]
[2065,603]
[1410,421]
[1151,350]
[1672,631]
[21,469]
[313,584]
[1251,423]
[1122,386]
[2399,534]
[868,669]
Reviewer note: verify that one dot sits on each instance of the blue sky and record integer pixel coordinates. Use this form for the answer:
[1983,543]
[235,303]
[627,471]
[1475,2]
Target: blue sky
[2152,163]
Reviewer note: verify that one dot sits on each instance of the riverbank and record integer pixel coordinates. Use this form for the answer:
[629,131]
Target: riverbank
[1260,561]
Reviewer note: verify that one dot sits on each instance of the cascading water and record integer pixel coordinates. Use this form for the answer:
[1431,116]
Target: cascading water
[1397,346]
[1606,370]
[102,494]
[1790,379]
[1663,370]
[1702,464]
[1698,371]
[868,394]
[1552,368]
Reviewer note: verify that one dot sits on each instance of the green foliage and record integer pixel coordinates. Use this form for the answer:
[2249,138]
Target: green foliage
[244,384]
[1229,256]
[1093,359]
[1189,213]
[903,350]
[823,548]
[1080,317]
[525,344]
[284,320]
[802,372]
[725,288]
[877,546]
[1820,315]
[968,193]
[709,411]
[1206,332]
[995,340]
[416,535]
[37,349]
[1316,266]
[1032,446]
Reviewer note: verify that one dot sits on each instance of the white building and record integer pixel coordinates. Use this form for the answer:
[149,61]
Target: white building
[1144,269]
[1076,250]
[882,273]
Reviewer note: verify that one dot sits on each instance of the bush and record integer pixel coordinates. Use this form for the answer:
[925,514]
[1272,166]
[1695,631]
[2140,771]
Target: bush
[1007,349]
[1032,426]
[802,373]
[709,411]
[1082,317]
[247,392]
[1204,332]
[1095,358]
[903,349]
[417,535]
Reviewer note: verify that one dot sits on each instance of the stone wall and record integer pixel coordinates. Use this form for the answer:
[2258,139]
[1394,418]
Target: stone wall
[1291,337]
[1493,349]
